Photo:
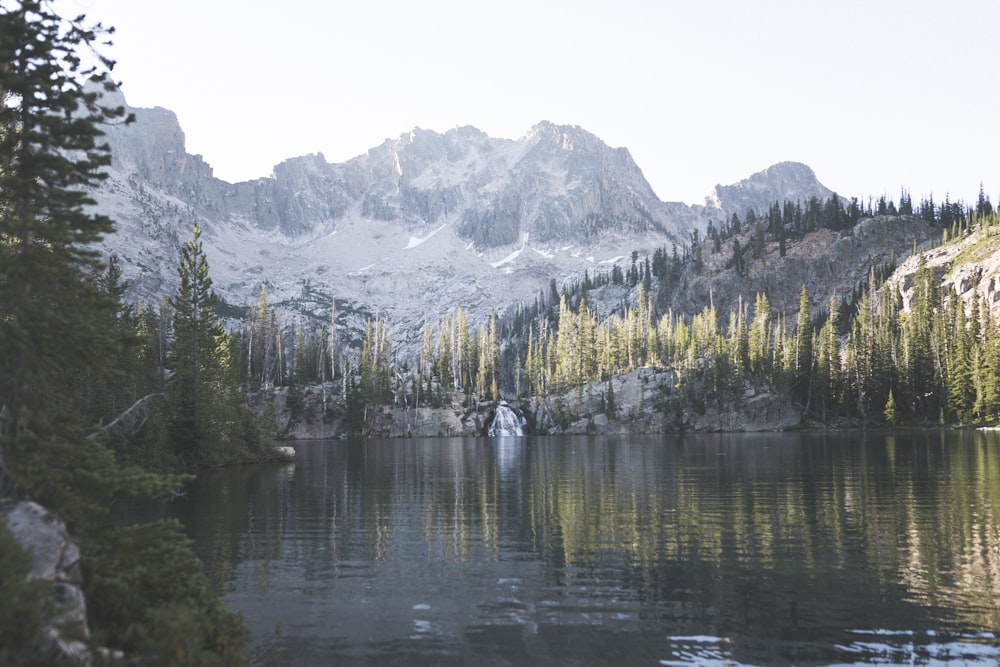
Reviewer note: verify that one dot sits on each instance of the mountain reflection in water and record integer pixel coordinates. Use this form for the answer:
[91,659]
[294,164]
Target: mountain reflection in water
[770,549]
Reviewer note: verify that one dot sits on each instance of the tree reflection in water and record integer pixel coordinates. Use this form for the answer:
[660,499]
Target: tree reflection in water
[773,549]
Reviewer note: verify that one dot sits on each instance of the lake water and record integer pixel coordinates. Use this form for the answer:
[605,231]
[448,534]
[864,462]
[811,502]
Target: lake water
[772,549]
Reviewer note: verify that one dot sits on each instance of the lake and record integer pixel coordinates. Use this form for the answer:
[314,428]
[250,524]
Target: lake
[743,549]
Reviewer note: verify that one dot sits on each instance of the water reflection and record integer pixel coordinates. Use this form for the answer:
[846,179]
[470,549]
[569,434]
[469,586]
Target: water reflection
[731,549]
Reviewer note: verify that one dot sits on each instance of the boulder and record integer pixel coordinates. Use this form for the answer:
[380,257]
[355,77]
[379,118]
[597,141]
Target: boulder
[285,453]
[43,535]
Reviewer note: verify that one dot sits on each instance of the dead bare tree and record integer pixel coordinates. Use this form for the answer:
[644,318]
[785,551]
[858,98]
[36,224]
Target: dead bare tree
[130,422]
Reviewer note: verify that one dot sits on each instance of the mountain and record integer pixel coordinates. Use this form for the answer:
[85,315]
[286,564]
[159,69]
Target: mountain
[795,181]
[411,229]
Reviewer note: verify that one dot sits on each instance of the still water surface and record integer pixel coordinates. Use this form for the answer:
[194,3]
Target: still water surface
[776,549]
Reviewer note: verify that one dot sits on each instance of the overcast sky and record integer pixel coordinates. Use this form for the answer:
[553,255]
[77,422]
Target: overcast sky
[872,94]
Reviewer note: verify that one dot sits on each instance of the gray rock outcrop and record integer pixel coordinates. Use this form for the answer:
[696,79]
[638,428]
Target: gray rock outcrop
[56,558]
[828,263]
[969,269]
[793,180]
[641,401]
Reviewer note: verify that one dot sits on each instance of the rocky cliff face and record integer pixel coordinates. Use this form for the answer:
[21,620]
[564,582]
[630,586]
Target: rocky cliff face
[413,228]
[56,558]
[969,269]
[795,181]
[558,183]
[827,262]
[643,402]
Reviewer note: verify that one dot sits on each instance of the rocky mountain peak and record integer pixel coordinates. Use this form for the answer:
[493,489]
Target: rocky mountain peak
[564,137]
[791,181]
[420,224]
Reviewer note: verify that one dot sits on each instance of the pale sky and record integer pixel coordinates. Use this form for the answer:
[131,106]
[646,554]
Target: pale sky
[872,94]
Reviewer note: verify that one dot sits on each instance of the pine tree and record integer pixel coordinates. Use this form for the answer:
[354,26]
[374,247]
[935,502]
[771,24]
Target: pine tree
[332,342]
[112,392]
[760,350]
[375,365]
[740,339]
[444,363]
[586,344]
[206,411]
[960,371]
[427,362]
[487,375]
[262,342]
[890,409]
[53,316]
[196,332]
[133,385]
[300,368]
[565,347]
[917,328]
[462,357]
[366,366]
[56,324]
[803,350]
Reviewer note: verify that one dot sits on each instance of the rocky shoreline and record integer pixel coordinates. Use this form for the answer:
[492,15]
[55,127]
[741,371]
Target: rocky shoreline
[635,402]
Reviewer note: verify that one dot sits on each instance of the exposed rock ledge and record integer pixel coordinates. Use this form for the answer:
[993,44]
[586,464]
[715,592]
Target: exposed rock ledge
[42,534]
[640,403]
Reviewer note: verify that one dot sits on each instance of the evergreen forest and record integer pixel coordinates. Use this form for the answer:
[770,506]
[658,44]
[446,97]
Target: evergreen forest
[865,359]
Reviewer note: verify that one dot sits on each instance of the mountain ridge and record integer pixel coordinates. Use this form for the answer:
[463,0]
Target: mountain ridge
[416,226]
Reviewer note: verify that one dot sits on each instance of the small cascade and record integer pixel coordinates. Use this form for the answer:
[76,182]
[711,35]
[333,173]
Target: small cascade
[506,421]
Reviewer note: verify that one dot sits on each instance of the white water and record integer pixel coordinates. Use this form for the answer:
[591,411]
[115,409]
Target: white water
[506,421]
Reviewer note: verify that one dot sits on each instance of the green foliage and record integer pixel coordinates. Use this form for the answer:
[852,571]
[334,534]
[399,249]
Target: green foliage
[209,422]
[24,604]
[196,359]
[52,315]
[376,363]
[73,357]
[62,328]
[149,596]
[803,350]
[841,363]
[890,410]
[260,346]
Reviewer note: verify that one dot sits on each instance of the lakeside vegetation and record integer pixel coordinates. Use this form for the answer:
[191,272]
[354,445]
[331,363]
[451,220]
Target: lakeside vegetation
[70,367]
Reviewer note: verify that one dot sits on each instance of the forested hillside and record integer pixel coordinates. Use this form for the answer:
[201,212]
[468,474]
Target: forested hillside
[843,345]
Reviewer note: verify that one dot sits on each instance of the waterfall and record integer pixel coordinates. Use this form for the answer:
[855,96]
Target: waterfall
[506,421]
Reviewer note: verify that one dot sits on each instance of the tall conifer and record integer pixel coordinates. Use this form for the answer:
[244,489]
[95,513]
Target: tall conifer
[195,334]
[55,325]
[803,349]
[53,317]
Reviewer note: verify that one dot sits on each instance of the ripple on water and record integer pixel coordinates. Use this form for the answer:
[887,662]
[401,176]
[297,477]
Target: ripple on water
[936,649]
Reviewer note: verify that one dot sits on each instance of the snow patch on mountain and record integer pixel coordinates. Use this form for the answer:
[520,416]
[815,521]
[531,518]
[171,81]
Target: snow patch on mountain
[417,240]
[508,259]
